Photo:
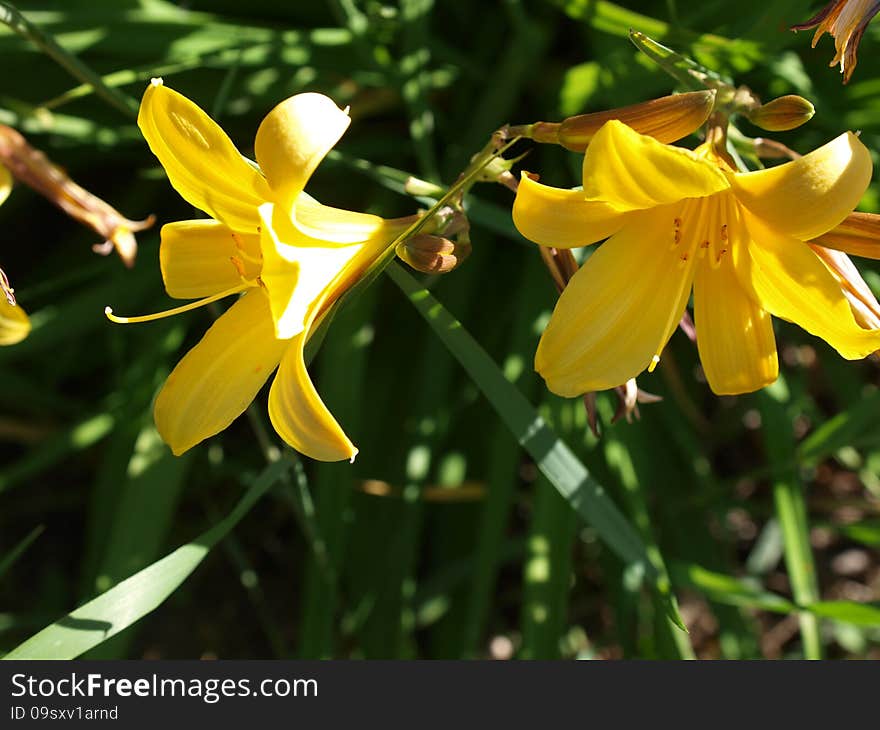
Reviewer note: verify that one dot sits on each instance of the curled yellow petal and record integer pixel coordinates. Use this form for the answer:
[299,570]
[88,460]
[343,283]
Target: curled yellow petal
[790,282]
[203,257]
[809,196]
[561,218]
[294,138]
[219,377]
[200,160]
[14,322]
[617,312]
[299,415]
[631,171]
[734,334]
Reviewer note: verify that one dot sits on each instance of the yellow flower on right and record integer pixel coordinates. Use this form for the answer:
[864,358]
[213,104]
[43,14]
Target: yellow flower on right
[679,220]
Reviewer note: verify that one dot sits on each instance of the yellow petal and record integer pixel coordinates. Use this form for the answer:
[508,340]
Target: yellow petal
[302,274]
[561,218]
[809,196]
[296,269]
[858,234]
[14,322]
[294,138]
[734,334]
[220,376]
[300,416]
[790,282]
[631,171]
[618,310]
[5,183]
[865,307]
[203,257]
[335,225]
[200,160]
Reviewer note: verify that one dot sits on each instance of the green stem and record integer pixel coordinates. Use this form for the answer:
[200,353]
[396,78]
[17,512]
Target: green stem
[791,511]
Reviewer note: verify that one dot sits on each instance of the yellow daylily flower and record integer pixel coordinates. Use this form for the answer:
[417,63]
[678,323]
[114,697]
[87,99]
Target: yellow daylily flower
[291,256]
[680,220]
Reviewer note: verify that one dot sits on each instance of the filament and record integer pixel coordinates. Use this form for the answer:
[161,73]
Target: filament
[108,311]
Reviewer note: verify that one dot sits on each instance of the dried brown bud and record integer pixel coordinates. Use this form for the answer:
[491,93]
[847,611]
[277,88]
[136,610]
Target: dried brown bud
[667,119]
[432,254]
[34,169]
[782,114]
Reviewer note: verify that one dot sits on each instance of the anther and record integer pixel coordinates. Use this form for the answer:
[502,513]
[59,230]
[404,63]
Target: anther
[239,265]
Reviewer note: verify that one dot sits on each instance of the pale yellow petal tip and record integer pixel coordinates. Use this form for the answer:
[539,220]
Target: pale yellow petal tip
[15,325]
[655,361]
[156,81]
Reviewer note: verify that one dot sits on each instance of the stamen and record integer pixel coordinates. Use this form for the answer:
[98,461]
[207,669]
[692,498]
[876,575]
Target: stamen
[239,266]
[108,311]
[721,246]
[695,242]
[676,232]
[243,252]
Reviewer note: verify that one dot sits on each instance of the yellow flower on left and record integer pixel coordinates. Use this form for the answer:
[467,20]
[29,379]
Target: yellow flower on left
[14,323]
[291,256]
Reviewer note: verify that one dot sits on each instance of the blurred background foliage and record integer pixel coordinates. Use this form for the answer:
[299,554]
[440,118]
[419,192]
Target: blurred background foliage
[442,540]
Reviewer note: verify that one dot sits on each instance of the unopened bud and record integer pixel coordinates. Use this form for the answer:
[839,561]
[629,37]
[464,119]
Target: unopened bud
[667,119]
[432,254]
[782,114]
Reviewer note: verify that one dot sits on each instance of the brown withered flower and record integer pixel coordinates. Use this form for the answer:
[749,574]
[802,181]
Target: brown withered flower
[846,21]
[33,168]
